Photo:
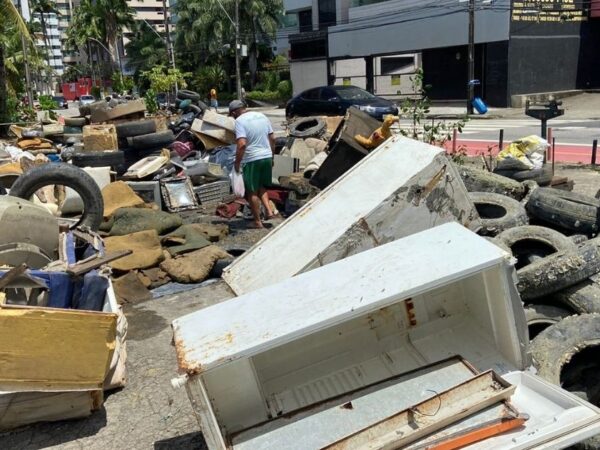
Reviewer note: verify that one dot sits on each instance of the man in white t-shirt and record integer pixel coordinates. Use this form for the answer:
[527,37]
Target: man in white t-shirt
[255,147]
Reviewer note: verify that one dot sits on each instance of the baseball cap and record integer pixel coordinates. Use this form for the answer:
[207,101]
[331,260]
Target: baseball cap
[236,104]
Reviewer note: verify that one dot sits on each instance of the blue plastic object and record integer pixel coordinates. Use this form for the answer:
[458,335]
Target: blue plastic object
[480,105]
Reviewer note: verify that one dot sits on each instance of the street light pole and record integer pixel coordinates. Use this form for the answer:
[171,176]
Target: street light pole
[471,76]
[110,54]
[238,75]
[236,26]
[170,50]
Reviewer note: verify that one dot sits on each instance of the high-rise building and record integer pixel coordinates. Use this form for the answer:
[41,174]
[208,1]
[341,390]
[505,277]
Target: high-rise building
[66,8]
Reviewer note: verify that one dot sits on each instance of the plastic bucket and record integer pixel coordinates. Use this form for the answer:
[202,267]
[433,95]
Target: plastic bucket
[479,105]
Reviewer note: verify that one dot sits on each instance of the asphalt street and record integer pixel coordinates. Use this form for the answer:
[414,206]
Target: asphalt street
[573,136]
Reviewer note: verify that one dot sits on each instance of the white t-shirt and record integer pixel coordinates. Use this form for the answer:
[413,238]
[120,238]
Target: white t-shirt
[255,127]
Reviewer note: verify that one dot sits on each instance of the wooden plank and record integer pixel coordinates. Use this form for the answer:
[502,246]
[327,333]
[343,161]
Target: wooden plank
[84,267]
[13,273]
[47,348]
[430,415]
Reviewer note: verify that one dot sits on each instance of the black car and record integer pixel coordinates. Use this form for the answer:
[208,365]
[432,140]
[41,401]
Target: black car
[60,101]
[335,100]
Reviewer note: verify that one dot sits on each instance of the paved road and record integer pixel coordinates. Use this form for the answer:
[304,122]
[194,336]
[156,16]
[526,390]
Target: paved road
[573,136]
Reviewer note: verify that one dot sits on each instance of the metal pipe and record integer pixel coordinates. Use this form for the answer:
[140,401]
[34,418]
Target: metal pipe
[553,154]
[549,139]
[501,140]
[471,60]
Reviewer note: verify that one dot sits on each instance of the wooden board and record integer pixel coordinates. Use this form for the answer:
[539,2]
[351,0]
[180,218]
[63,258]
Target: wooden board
[48,348]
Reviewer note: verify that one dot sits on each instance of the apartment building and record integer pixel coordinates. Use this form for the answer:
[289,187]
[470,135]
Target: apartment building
[521,47]
[66,8]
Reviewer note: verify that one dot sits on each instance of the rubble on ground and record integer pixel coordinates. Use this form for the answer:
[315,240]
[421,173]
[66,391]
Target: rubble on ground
[155,205]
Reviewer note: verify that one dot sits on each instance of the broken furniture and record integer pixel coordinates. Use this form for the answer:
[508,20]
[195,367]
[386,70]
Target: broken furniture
[403,187]
[317,357]
[344,151]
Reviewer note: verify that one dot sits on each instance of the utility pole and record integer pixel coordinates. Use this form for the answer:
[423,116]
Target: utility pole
[471,58]
[238,75]
[170,49]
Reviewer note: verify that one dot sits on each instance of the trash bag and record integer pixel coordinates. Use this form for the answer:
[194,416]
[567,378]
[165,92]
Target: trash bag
[523,154]
[237,183]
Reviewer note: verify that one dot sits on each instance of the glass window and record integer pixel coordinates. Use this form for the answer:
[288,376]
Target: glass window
[353,93]
[289,20]
[311,94]
[328,94]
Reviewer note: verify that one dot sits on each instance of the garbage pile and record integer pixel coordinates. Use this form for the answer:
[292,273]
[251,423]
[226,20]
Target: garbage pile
[553,234]
[58,314]
[163,248]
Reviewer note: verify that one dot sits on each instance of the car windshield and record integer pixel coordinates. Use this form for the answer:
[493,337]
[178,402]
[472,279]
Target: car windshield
[87,97]
[58,99]
[354,93]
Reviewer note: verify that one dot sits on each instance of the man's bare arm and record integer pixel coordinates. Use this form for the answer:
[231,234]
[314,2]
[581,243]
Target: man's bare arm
[239,154]
[272,142]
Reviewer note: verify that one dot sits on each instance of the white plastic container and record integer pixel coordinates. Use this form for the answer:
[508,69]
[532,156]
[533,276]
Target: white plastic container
[272,369]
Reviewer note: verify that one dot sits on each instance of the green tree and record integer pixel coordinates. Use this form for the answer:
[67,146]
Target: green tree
[145,49]
[42,8]
[203,26]
[101,20]
[11,23]
[209,77]
[164,80]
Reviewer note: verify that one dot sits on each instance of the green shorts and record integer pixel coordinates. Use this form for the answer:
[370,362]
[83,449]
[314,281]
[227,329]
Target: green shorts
[258,174]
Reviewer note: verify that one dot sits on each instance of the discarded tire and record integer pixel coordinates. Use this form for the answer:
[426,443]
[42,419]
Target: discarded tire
[136,128]
[75,121]
[530,243]
[162,138]
[583,297]
[98,159]
[559,271]
[308,127]
[477,180]
[184,94]
[65,175]
[565,209]
[498,212]
[203,106]
[578,238]
[195,109]
[542,177]
[540,317]
[559,344]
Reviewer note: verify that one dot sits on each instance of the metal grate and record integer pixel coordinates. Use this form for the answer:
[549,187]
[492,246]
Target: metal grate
[212,193]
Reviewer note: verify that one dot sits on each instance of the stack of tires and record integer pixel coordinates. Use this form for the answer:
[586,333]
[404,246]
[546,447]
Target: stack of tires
[552,234]
[139,139]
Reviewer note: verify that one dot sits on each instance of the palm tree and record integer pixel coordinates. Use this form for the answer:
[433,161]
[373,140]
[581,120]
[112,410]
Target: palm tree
[11,22]
[145,50]
[102,20]
[43,8]
[117,15]
[201,24]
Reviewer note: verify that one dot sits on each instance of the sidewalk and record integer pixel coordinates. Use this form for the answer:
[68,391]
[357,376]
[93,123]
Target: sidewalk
[578,107]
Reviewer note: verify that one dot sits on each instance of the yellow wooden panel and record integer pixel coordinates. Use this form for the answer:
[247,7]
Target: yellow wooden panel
[47,348]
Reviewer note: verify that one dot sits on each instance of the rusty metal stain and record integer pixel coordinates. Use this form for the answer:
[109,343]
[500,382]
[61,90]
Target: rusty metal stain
[182,362]
[429,186]
[410,312]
